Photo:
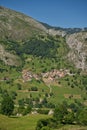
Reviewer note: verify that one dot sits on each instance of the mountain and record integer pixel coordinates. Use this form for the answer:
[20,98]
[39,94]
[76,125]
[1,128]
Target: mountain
[18,26]
[62,31]
[41,65]
[78,49]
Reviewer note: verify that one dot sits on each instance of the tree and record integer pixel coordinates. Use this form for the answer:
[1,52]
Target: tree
[60,112]
[82,116]
[74,107]
[34,89]
[41,123]
[27,110]
[7,106]
[46,124]
[69,118]
[21,102]
[19,86]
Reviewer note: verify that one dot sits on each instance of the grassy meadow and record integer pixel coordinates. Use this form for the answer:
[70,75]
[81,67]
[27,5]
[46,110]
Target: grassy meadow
[20,123]
[29,123]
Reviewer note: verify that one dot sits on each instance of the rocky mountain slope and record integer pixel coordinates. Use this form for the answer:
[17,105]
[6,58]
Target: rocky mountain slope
[78,49]
[17,27]
[8,58]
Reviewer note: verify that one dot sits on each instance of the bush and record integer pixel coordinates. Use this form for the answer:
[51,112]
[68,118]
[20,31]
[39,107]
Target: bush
[21,102]
[27,110]
[13,95]
[34,89]
[7,106]
[46,124]
[50,105]
[69,118]
[60,112]
[41,123]
[21,110]
[82,116]
[19,86]
[43,111]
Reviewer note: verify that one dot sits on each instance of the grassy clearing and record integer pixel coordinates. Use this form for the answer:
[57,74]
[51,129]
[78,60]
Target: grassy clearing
[29,123]
[63,93]
[20,123]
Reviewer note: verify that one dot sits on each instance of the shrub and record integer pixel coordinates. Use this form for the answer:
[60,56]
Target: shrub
[43,111]
[46,124]
[69,118]
[82,116]
[7,106]
[41,123]
[34,89]
[19,86]
[60,112]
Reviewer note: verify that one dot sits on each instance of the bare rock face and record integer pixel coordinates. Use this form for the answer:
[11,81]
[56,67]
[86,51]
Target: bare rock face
[56,32]
[8,58]
[78,49]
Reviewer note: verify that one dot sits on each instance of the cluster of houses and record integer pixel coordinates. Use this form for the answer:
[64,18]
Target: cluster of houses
[53,75]
[50,76]
[28,75]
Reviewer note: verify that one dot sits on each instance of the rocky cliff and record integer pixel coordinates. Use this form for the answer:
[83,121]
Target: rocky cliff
[78,49]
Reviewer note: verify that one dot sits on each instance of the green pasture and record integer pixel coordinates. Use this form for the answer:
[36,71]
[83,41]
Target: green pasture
[20,123]
[29,123]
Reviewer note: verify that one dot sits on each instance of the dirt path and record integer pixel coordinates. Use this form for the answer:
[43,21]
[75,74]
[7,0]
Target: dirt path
[50,88]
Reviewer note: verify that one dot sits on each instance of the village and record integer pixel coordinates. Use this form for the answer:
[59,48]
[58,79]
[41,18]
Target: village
[49,76]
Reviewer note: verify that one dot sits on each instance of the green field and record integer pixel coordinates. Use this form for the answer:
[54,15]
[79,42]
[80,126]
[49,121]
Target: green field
[20,123]
[29,123]
[61,92]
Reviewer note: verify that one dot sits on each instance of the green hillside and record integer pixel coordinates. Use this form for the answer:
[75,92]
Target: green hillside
[40,69]
[20,123]
[37,69]
[29,123]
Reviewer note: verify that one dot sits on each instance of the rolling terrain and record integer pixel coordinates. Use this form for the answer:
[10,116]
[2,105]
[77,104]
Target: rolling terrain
[41,66]
[29,123]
